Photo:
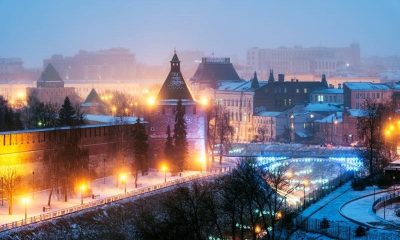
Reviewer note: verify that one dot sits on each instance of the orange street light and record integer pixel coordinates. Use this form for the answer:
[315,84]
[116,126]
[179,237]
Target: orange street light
[25,201]
[289,174]
[278,215]
[82,189]
[257,229]
[204,101]
[123,178]
[151,101]
[388,133]
[114,109]
[164,168]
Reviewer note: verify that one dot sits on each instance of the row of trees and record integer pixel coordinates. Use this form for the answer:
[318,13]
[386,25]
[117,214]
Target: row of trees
[371,130]
[241,205]
[9,119]
[176,146]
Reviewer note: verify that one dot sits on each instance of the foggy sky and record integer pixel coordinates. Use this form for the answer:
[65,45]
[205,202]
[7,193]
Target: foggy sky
[37,29]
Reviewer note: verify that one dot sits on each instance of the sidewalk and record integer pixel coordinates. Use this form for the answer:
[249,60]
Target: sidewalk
[100,189]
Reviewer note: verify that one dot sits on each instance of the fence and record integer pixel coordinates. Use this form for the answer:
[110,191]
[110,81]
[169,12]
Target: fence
[341,230]
[314,196]
[95,203]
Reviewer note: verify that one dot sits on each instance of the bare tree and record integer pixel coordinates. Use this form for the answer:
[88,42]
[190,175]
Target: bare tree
[220,132]
[371,131]
[11,180]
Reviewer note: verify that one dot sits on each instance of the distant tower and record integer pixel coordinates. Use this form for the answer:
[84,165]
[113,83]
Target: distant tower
[254,82]
[271,78]
[324,81]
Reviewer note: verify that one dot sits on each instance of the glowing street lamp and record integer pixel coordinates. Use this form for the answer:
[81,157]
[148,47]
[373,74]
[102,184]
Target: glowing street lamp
[25,201]
[257,229]
[202,161]
[82,189]
[151,101]
[204,101]
[164,168]
[123,178]
[114,109]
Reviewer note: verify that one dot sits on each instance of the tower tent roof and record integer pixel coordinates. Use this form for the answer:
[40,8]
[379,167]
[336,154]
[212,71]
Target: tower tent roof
[175,87]
[50,74]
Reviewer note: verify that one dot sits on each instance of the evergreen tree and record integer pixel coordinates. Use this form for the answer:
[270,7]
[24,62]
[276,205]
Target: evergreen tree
[140,148]
[9,119]
[179,137]
[169,146]
[67,115]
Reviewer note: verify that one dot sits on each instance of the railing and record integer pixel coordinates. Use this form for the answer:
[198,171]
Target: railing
[95,203]
[386,199]
[342,230]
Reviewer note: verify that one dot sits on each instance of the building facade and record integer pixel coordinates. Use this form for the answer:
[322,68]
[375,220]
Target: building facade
[299,60]
[328,95]
[355,94]
[117,64]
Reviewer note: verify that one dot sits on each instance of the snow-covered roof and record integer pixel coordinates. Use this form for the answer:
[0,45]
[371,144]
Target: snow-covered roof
[336,117]
[357,112]
[110,118]
[328,91]
[366,86]
[323,107]
[238,86]
[268,114]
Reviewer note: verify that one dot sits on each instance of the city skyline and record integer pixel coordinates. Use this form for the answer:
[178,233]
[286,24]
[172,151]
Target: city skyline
[151,30]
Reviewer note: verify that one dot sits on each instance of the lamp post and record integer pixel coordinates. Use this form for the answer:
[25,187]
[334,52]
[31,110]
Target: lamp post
[104,171]
[82,188]
[123,179]
[164,169]
[25,202]
[33,184]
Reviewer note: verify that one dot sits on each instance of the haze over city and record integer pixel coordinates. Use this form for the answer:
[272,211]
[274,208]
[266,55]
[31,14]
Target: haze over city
[200,120]
[34,30]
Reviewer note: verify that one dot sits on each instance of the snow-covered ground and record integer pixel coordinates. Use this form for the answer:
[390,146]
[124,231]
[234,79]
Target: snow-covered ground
[354,208]
[100,188]
[97,187]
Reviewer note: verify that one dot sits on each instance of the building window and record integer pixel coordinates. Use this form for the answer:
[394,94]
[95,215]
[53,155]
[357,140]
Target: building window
[305,90]
[285,90]
[152,129]
[320,98]
[297,90]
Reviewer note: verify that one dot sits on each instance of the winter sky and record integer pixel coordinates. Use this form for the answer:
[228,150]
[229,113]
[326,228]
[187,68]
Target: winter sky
[37,29]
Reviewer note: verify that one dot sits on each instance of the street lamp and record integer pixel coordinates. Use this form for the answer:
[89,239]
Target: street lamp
[202,161]
[25,201]
[123,177]
[82,188]
[33,184]
[164,168]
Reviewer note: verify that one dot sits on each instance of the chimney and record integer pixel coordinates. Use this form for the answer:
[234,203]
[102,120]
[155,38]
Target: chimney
[281,77]
[340,86]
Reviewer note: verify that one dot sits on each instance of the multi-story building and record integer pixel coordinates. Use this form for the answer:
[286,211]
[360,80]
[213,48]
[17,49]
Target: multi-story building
[117,64]
[328,95]
[298,60]
[237,98]
[356,93]
[50,88]
[12,71]
[282,95]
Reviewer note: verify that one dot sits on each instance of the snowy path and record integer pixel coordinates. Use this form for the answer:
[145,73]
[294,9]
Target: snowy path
[104,191]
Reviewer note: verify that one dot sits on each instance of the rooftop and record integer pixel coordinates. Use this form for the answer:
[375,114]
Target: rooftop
[238,86]
[213,70]
[268,114]
[328,91]
[338,116]
[366,86]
